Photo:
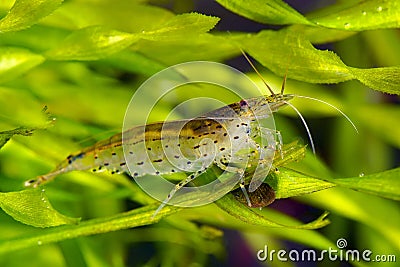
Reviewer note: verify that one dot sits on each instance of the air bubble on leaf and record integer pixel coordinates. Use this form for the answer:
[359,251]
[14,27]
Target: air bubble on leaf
[379,9]
[361,174]
[39,243]
[347,25]
[364,13]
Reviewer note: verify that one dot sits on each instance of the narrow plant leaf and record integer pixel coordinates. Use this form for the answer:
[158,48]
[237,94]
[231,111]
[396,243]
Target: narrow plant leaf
[288,183]
[134,218]
[382,79]
[16,61]
[32,207]
[182,25]
[240,211]
[92,43]
[97,42]
[287,51]
[361,16]
[384,184]
[118,15]
[25,13]
[267,11]
[365,15]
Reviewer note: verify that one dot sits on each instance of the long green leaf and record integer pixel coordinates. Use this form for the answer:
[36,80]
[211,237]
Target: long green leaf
[238,210]
[25,13]
[92,43]
[181,26]
[287,51]
[32,207]
[134,218]
[97,42]
[359,16]
[269,12]
[292,183]
[384,184]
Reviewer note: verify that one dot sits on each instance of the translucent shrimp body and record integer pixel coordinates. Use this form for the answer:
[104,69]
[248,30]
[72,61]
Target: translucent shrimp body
[229,137]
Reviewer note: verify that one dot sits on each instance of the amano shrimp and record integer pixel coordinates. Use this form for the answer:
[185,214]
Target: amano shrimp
[219,137]
[229,137]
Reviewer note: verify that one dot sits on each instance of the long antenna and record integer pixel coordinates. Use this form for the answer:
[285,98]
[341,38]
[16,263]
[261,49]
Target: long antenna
[332,106]
[304,123]
[254,68]
[283,83]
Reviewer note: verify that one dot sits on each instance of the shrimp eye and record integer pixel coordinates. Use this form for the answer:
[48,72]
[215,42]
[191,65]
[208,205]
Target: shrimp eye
[243,103]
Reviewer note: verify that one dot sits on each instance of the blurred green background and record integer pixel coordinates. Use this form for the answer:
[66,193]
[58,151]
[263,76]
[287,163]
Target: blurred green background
[84,60]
